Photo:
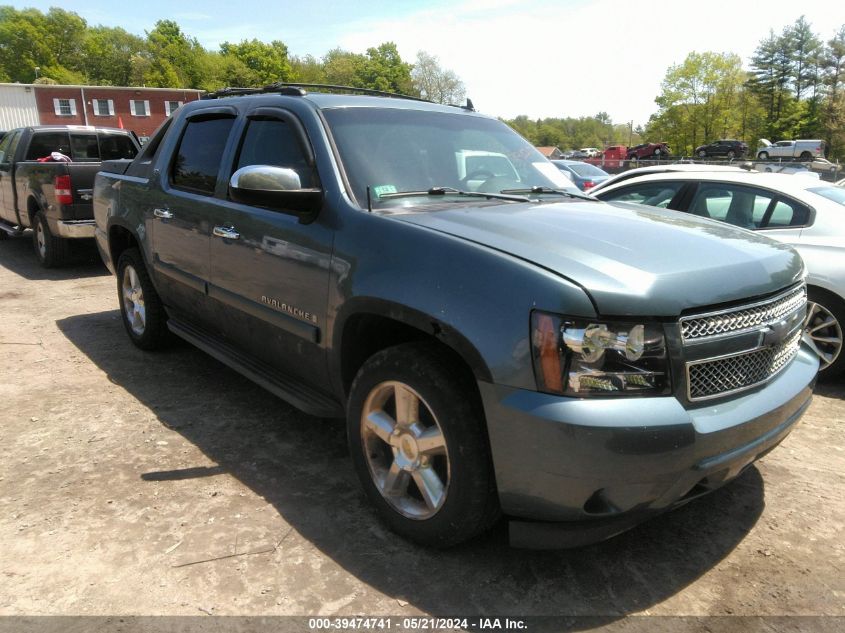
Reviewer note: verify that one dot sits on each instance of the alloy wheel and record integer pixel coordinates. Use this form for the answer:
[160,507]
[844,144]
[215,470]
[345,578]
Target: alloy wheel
[133,301]
[824,334]
[405,450]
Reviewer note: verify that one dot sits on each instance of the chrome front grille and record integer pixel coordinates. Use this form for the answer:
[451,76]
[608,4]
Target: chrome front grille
[769,331]
[729,374]
[745,318]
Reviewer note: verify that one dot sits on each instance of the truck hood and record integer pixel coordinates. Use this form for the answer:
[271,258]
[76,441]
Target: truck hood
[631,260]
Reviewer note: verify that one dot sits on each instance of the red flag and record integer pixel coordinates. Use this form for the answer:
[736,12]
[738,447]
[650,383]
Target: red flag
[119,122]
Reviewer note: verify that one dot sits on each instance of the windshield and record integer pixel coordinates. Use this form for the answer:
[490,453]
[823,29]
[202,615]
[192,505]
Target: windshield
[837,194]
[395,150]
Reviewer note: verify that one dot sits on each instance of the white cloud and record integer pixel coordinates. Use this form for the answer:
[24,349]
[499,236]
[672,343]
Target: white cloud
[580,58]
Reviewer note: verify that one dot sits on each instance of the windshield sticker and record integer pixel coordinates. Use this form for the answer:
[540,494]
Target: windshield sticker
[552,173]
[380,190]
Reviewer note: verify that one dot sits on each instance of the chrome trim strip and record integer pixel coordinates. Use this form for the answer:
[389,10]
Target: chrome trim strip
[740,308]
[76,228]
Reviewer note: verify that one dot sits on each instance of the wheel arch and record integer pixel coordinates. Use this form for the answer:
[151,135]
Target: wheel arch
[370,325]
[121,238]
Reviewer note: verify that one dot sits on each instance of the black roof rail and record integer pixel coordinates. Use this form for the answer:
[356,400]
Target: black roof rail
[300,90]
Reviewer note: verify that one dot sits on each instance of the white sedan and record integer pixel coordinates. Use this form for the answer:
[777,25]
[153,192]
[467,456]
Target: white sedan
[804,212]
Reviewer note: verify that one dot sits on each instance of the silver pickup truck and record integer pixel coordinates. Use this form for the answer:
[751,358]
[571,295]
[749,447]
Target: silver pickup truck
[46,176]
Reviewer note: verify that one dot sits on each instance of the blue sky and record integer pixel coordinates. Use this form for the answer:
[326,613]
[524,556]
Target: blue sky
[540,58]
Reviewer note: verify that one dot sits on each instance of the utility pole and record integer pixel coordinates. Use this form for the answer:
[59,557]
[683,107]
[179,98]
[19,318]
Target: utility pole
[630,132]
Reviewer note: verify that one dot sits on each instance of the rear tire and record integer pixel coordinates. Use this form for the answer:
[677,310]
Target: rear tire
[50,250]
[141,308]
[824,326]
[731,154]
[806,156]
[425,464]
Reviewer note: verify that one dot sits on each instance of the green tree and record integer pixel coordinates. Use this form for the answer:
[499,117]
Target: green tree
[23,44]
[267,63]
[110,55]
[175,59]
[698,100]
[383,69]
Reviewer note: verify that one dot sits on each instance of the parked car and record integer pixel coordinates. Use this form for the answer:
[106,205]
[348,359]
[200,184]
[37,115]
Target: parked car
[584,175]
[802,212]
[662,169]
[649,150]
[46,177]
[789,168]
[495,344]
[729,148]
[802,149]
[590,152]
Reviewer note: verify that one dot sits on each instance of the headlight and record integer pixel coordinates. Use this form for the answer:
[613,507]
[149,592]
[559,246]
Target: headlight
[593,358]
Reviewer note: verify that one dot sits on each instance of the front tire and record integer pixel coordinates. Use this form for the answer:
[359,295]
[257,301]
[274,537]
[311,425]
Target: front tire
[823,331]
[50,250]
[763,155]
[702,154]
[141,308]
[418,443]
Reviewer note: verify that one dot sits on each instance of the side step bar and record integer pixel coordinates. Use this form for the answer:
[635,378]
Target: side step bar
[285,387]
[10,228]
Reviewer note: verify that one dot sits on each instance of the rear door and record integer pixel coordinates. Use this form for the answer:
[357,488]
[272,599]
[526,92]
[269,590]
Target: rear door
[269,273]
[181,216]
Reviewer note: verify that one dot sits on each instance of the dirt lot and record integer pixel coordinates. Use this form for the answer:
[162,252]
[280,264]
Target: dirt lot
[136,483]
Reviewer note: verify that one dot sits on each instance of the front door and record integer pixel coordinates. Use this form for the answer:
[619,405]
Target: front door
[181,217]
[269,273]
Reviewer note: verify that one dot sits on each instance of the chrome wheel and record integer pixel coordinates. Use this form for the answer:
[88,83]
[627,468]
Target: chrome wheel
[41,240]
[133,301]
[405,450]
[823,333]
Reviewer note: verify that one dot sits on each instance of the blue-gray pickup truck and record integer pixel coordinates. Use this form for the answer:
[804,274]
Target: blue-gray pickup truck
[498,343]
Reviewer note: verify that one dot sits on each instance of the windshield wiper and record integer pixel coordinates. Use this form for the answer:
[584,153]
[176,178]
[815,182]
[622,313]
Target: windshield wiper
[560,192]
[451,191]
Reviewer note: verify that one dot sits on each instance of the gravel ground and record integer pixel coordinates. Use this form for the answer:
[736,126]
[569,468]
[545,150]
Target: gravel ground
[135,483]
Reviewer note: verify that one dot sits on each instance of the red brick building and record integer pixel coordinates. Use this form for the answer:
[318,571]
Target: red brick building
[141,110]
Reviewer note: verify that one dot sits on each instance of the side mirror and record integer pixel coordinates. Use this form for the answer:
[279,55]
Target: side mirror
[277,188]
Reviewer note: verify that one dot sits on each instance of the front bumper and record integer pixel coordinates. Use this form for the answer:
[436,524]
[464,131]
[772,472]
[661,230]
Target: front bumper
[75,229]
[599,466]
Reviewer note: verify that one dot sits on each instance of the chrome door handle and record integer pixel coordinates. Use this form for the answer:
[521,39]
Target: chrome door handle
[226,232]
[164,214]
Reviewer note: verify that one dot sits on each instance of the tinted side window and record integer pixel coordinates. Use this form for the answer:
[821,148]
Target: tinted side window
[788,213]
[272,142]
[116,146]
[199,154]
[45,143]
[655,194]
[741,206]
[84,147]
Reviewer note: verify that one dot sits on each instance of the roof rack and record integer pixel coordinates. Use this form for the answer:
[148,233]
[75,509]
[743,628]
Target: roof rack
[299,90]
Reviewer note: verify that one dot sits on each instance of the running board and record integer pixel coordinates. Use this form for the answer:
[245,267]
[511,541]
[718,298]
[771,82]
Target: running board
[13,230]
[287,388]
